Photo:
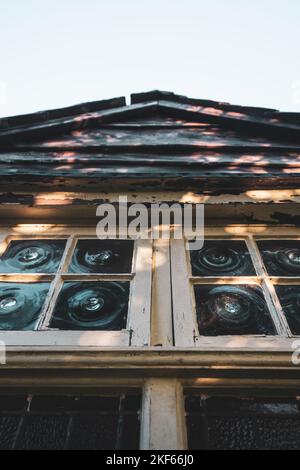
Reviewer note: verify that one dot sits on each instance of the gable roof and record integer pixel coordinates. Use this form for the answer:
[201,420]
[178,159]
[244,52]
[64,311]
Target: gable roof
[106,111]
[159,139]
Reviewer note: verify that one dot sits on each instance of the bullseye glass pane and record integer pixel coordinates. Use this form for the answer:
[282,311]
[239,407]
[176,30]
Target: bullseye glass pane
[21,304]
[102,256]
[232,310]
[32,256]
[289,297]
[281,257]
[222,258]
[96,305]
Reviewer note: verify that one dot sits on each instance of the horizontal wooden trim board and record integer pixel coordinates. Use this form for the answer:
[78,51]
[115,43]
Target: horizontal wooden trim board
[53,338]
[152,359]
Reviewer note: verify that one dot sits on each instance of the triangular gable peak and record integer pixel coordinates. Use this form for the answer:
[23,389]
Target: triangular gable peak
[159,140]
[153,119]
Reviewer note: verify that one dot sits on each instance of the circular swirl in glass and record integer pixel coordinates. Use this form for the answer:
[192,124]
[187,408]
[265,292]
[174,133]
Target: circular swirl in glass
[92,305]
[232,310]
[289,259]
[20,305]
[219,259]
[87,305]
[289,297]
[7,304]
[102,256]
[281,257]
[233,307]
[32,256]
[222,257]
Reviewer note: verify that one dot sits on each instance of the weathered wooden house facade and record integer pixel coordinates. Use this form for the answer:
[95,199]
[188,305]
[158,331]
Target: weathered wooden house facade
[124,344]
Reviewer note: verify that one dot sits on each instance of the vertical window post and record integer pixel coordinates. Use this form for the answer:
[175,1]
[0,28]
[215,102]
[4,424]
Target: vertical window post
[163,420]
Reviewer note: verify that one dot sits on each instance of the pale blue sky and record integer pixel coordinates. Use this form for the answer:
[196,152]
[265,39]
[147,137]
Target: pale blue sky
[61,52]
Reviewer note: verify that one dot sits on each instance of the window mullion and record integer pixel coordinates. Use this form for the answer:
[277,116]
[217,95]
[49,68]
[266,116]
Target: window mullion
[161,318]
[269,290]
[140,294]
[185,327]
[4,240]
[56,285]
[163,419]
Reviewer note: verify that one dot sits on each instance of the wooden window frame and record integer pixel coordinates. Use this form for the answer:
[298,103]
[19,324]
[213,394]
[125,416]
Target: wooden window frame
[163,371]
[137,332]
[186,332]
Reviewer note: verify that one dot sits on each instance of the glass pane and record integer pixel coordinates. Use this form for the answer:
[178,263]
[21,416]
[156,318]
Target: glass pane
[89,403]
[21,304]
[132,402]
[8,431]
[70,422]
[131,433]
[232,310]
[94,432]
[281,257]
[222,258]
[43,432]
[32,256]
[52,403]
[13,402]
[92,305]
[289,297]
[227,423]
[102,256]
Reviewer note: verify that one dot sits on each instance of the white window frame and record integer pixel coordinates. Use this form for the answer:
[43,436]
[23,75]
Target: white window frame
[186,333]
[137,332]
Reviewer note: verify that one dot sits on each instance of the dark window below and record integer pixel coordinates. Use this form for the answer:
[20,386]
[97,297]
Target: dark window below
[239,424]
[70,422]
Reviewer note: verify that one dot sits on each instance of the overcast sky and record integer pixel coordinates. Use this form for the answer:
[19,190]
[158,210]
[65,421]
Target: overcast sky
[62,52]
